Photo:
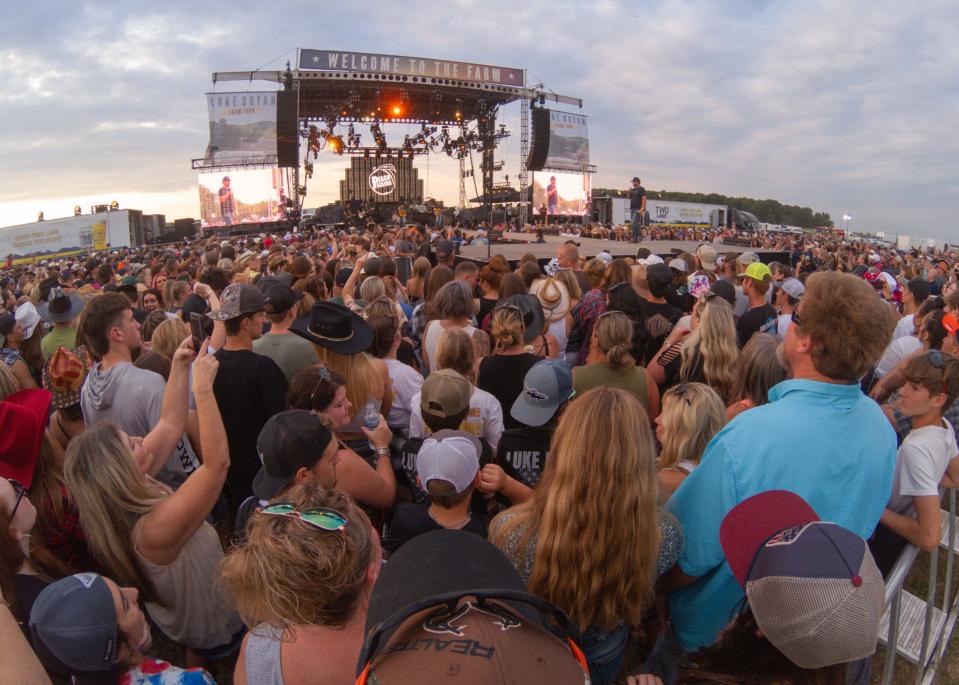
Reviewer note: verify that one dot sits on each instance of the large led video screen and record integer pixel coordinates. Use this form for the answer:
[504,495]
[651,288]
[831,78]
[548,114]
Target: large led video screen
[242,128]
[568,142]
[241,197]
[561,193]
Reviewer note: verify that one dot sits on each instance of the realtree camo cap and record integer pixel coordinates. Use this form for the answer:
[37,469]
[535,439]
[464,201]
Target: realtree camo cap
[450,607]
[813,587]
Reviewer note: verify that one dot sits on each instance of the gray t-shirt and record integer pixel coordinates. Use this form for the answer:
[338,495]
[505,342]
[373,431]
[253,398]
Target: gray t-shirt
[290,352]
[132,398]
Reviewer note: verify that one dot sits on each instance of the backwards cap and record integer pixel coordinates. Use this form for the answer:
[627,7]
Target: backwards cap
[813,587]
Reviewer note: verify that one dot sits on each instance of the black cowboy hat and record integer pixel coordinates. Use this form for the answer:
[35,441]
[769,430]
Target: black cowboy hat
[60,306]
[334,327]
[533,318]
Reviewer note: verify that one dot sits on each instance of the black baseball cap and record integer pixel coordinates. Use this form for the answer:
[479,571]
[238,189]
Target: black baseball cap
[289,441]
[658,276]
[281,299]
[342,276]
[725,290]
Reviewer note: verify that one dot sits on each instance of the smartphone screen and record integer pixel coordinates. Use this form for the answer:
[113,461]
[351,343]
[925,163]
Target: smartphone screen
[196,330]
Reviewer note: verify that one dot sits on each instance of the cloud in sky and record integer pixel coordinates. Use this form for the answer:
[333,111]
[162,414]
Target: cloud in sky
[842,106]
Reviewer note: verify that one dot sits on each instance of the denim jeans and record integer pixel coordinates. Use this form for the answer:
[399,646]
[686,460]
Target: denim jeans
[605,653]
[636,216]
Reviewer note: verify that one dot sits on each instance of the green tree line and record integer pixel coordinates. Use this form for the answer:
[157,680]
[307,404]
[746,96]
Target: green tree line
[768,211]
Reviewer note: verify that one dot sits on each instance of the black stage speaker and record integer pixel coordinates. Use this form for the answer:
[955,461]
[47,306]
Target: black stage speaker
[539,150]
[184,229]
[286,152]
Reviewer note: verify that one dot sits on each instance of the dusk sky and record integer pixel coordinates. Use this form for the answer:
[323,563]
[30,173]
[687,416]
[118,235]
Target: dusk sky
[840,106]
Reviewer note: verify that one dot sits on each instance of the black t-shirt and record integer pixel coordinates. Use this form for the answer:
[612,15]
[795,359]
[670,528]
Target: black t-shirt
[486,307]
[406,469]
[249,389]
[756,320]
[502,376]
[660,320]
[26,588]
[411,520]
[636,196]
[522,453]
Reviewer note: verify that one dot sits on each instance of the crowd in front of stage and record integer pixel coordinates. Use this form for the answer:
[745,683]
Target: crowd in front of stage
[348,455]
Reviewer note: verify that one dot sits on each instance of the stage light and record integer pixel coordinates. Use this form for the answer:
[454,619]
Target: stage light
[114,206]
[77,211]
[40,216]
[397,110]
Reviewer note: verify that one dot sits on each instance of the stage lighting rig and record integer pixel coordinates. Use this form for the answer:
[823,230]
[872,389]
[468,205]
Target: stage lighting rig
[336,144]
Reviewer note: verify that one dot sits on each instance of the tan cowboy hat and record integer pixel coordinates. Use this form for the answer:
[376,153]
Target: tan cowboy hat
[553,296]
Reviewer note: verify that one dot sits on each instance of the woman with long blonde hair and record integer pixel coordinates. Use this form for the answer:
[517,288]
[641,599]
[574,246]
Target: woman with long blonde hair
[692,414]
[145,536]
[591,539]
[708,354]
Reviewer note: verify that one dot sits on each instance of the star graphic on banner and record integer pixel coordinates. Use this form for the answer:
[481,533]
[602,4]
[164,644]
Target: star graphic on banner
[316,58]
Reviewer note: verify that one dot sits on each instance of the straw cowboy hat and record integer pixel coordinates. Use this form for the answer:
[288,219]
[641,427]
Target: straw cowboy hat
[554,297]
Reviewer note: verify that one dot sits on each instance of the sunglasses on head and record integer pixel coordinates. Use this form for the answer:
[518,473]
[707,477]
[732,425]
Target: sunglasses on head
[319,517]
[508,307]
[939,362]
[21,493]
[681,391]
[325,377]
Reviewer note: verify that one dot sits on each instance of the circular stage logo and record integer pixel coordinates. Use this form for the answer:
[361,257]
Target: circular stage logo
[383,179]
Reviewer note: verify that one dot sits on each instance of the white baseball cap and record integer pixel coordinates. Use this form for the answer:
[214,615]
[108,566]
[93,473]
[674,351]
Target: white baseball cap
[679,265]
[451,456]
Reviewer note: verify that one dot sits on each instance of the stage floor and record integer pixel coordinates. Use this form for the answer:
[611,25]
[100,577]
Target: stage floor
[590,247]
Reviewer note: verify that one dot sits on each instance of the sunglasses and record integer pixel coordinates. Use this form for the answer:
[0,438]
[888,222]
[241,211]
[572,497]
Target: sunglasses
[508,307]
[21,493]
[681,392]
[325,377]
[318,517]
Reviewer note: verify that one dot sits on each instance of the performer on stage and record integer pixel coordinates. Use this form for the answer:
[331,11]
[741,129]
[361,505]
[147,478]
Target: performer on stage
[552,197]
[637,207]
[225,199]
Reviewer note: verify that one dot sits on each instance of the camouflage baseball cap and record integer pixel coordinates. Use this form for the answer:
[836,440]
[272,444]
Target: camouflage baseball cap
[239,299]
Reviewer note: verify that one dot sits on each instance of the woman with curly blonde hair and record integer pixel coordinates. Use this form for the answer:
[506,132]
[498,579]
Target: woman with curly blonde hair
[591,538]
[302,582]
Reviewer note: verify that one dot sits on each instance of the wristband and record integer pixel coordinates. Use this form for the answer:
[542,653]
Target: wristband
[382,452]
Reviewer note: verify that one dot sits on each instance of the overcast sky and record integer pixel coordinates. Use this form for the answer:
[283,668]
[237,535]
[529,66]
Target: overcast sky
[841,106]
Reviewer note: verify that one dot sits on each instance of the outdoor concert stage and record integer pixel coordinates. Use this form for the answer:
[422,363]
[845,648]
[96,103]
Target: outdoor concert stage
[590,247]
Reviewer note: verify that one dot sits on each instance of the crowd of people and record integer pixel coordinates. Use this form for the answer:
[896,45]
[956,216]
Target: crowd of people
[291,459]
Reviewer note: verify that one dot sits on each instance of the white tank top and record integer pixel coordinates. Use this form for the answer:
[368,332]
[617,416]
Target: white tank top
[558,330]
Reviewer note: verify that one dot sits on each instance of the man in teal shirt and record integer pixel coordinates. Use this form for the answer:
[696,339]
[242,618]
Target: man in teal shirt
[819,437]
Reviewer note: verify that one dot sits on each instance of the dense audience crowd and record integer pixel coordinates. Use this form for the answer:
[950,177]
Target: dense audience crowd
[351,456]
